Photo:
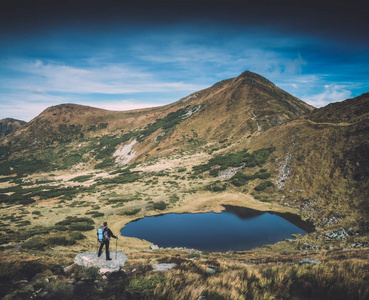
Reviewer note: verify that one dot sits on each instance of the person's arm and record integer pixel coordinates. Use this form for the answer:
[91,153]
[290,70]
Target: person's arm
[110,233]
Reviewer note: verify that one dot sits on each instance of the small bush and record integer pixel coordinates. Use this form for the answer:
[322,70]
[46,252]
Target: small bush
[263,175]
[58,241]
[82,178]
[217,186]
[71,220]
[262,186]
[173,198]
[214,172]
[77,236]
[144,287]
[160,205]
[95,214]
[60,228]
[35,243]
[132,212]
[81,227]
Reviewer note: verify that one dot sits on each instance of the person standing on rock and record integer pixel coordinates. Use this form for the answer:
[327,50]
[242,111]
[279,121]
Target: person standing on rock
[103,236]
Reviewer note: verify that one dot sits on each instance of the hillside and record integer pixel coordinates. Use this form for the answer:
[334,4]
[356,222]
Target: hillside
[9,125]
[228,111]
[323,164]
[243,143]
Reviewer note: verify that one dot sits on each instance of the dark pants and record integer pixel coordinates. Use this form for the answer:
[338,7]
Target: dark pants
[106,243]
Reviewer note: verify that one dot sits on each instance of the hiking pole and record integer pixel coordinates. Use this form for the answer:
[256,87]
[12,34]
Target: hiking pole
[116,248]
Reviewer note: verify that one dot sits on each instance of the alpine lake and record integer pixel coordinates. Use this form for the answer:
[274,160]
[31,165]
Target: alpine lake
[235,229]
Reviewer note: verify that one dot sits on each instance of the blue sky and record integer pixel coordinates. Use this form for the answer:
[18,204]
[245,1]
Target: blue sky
[126,64]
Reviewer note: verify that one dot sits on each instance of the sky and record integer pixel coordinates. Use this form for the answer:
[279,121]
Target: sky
[122,55]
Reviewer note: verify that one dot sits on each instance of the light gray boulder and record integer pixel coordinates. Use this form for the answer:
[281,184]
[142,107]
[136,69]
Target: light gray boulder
[163,267]
[309,261]
[91,260]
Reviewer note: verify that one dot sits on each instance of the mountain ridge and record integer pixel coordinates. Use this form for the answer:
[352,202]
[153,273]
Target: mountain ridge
[247,111]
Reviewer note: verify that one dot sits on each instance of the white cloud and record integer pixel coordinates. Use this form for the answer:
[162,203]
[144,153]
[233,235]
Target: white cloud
[108,79]
[331,93]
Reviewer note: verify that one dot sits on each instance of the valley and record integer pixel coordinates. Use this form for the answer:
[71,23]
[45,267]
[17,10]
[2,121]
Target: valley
[242,142]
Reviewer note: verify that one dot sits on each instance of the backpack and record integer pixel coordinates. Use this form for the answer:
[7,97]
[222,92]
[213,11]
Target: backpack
[101,234]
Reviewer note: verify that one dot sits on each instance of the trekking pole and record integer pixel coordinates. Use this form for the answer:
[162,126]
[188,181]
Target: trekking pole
[116,248]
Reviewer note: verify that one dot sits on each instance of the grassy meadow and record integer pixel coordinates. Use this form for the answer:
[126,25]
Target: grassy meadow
[47,218]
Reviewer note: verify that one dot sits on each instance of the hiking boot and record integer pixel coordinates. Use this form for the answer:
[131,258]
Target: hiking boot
[108,258]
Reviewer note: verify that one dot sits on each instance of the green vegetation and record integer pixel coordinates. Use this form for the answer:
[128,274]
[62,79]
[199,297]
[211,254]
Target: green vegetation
[262,186]
[168,122]
[216,186]
[132,212]
[82,178]
[125,176]
[160,205]
[238,159]
[144,287]
[77,223]
[95,214]
[240,179]
[173,198]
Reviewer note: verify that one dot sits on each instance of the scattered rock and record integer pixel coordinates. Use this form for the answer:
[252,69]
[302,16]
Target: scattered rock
[211,270]
[90,259]
[359,245]
[310,247]
[154,247]
[309,261]
[337,235]
[227,174]
[44,294]
[163,267]
[284,171]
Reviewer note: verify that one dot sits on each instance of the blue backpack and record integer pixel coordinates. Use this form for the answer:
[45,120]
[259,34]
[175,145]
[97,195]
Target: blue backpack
[101,234]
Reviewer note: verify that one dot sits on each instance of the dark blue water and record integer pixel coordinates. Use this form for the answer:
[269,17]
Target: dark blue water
[212,232]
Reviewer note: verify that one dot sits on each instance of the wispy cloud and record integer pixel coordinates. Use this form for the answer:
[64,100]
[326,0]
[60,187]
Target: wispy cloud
[331,93]
[107,79]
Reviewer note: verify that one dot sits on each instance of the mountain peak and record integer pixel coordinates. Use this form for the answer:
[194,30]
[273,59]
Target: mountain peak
[252,77]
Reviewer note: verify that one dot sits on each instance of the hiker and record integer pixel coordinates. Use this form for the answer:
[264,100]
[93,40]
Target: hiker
[103,236]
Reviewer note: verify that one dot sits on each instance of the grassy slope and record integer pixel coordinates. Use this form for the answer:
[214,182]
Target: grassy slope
[327,156]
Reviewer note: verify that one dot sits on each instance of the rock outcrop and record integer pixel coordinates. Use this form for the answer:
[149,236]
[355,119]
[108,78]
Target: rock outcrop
[90,259]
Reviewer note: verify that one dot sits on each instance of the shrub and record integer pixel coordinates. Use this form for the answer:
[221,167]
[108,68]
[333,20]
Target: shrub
[81,227]
[132,212]
[77,235]
[71,220]
[214,172]
[173,198]
[35,243]
[58,241]
[240,179]
[263,175]
[60,228]
[82,178]
[144,287]
[262,186]
[160,205]
[216,187]
[95,214]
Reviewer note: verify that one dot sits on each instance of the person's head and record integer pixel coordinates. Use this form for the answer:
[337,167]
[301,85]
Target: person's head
[105,223]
